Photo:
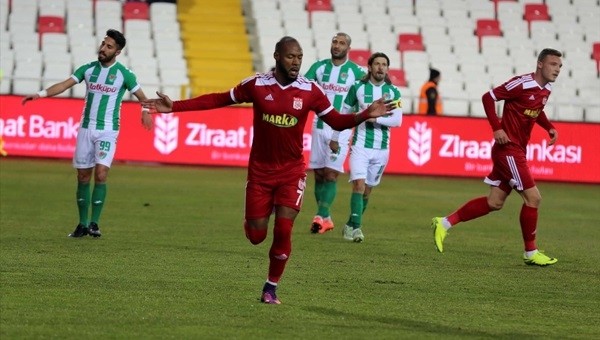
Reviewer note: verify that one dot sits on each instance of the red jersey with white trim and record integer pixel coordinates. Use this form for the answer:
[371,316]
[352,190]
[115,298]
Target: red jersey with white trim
[524,100]
[280,114]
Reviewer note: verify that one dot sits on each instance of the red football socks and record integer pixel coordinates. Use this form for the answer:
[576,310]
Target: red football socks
[476,207]
[280,249]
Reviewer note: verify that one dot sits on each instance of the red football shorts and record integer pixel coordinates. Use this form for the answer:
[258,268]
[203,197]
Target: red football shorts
[510,170]
[266,190]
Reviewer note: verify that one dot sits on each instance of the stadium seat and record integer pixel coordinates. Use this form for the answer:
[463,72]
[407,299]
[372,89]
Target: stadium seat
[596,56]
[456,107]
[535,12]
[361,57]
[487,27]
[54,43]
[136,10]
[496,5]
[397,77]
[410,42]
[318,5]
[569,111]
[52,8]
[592,113]
[52,24]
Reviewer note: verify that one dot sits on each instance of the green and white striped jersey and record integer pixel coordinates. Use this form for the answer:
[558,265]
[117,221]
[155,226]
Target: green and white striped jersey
[335,81]
[105,90]
[371,135]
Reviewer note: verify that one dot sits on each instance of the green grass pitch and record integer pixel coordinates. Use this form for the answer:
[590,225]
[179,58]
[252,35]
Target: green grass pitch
[173,262]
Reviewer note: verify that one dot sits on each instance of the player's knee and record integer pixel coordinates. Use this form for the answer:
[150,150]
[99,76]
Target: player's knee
[533,201]
[495,204]
[100,177]
[255,235]
[331,176]
[84,177]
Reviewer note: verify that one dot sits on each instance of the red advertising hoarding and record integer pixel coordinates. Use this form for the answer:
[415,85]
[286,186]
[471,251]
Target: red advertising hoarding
[448,146]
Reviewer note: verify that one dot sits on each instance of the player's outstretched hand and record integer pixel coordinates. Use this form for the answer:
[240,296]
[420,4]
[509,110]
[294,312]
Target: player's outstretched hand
[381,107]
[161,104]
[28,98]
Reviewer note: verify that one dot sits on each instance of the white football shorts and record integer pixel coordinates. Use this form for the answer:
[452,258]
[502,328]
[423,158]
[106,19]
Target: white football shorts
[94,147]
[368,164]
[321,155]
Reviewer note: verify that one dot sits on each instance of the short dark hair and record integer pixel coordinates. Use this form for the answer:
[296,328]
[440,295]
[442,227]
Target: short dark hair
[548,51]
[345,35]
[283,41]
[118,37]
[433,73]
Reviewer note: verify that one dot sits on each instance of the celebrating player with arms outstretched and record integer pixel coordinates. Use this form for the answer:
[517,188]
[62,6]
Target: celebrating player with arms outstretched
[276,169]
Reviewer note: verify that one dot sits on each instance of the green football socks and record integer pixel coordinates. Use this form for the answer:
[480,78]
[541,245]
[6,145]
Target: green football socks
[98,197]
[356,210]
[83,202]
[318,191]
[327,196]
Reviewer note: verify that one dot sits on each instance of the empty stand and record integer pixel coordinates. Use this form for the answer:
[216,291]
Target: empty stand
[449,35]
[217,47]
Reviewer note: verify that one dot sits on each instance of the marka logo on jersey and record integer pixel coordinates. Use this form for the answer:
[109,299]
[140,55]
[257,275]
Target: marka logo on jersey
[419,143]
[284,120]
[531,113]
[343,76]
[103,88]
[335,88]
[166,127]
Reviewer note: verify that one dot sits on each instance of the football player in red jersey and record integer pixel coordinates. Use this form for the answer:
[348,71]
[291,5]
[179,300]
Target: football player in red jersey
[276,169]
[524,99]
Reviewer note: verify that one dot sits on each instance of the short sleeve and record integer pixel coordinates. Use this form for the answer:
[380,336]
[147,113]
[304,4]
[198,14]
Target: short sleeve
[131,81]
[79,73]
[312,71]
